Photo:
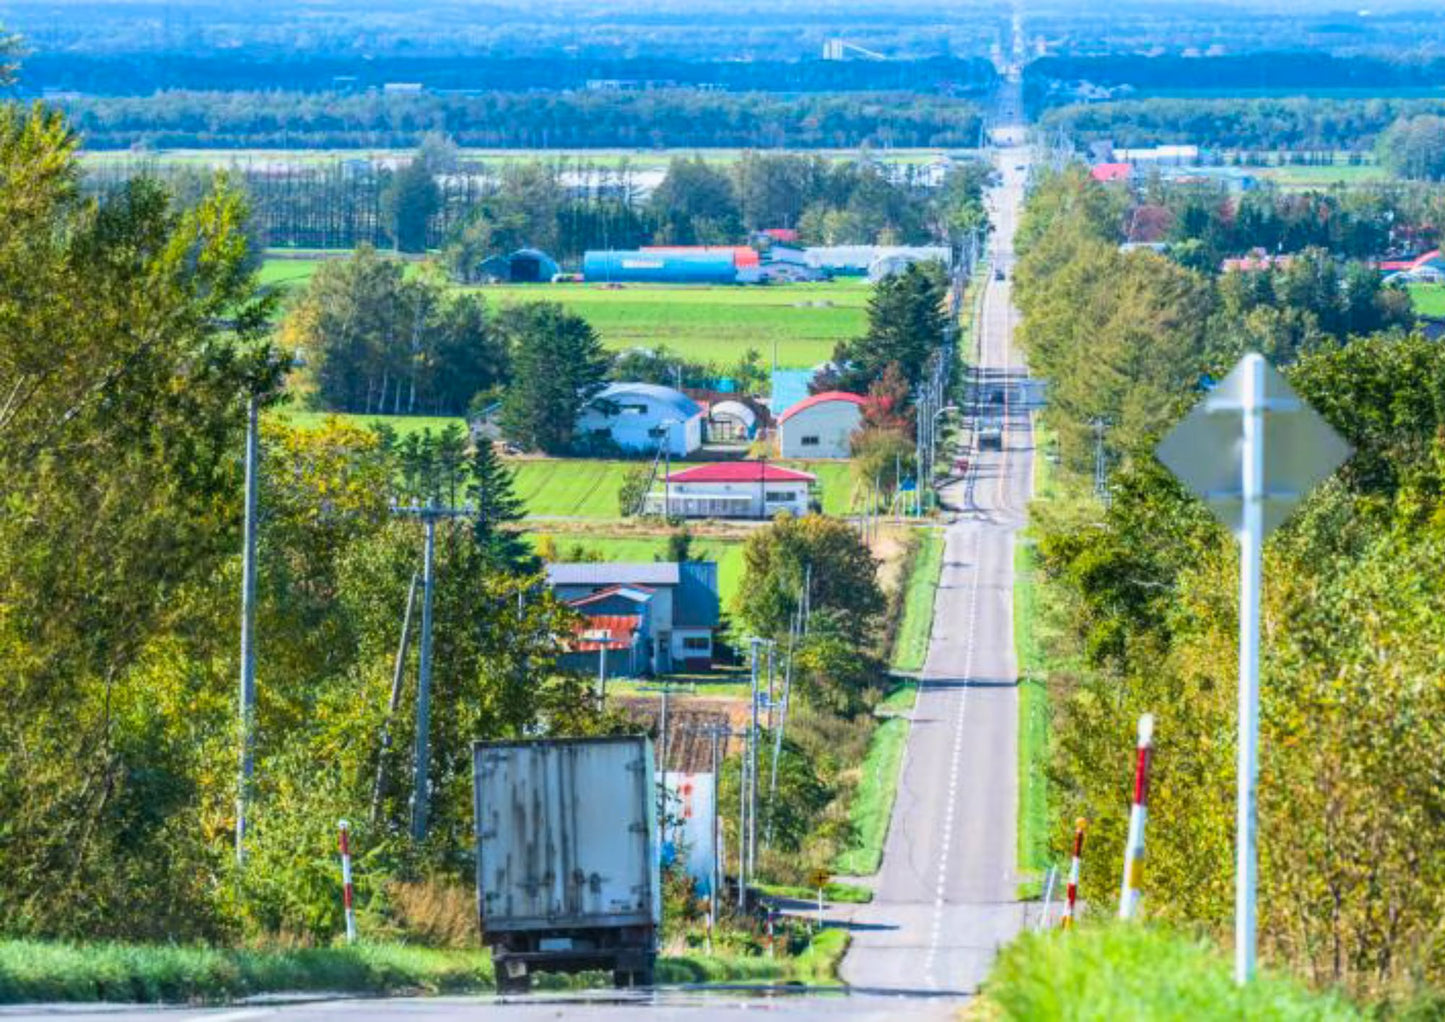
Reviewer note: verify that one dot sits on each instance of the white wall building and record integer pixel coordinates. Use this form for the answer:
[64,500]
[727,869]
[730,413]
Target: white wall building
[821,426]
[733,489]
[637,416]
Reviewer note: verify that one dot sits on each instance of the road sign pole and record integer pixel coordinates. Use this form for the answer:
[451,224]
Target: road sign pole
[1251,545]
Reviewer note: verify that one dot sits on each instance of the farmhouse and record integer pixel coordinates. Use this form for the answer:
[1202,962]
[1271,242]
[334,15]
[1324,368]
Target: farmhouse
[820,426]
[643,417]
[733,489]
[650,617]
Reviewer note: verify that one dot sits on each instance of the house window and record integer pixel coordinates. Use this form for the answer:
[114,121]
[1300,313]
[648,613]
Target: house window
[778,496]
[697,643]
[810,441]
[657,432]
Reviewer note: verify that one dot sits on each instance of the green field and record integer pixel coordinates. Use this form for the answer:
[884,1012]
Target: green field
[1317,177]
[726,552]
[570,487]
[402,424]
[1429,299]
[801,322]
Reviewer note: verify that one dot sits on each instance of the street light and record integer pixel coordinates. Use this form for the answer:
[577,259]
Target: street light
[933,435]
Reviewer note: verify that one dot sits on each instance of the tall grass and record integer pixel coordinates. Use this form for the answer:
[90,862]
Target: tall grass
[910,648]
[873,801]
[32,971]
[1133,971]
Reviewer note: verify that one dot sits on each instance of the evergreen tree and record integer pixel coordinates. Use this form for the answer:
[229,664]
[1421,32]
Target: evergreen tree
[906,320]
[408,204]
[558,364]
[497,504]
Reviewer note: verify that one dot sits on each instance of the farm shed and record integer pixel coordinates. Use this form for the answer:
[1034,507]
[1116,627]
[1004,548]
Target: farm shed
[731,420]
[734,489]
[677,607]
[524,266]
[638,267]
[644,417]
[821,426]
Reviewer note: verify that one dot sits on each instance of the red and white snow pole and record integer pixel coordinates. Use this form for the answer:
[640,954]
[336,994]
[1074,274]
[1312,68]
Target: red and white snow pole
[1131,894]
[1072,891]
[345,843]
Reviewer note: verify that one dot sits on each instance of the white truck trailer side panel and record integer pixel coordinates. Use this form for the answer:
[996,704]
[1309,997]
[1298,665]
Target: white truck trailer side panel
[566,834]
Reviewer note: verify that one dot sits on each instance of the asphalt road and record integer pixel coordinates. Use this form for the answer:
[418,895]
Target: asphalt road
[945,899]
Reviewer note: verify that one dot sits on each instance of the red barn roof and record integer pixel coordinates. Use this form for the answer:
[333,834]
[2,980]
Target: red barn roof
[818,399]
[740,472]
[1111,172]
[782,233]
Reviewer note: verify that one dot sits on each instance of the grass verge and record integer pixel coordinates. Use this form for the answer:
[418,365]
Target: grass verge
[1137,972]
[39,971]
[844,894]
[910,648]
[1033,744]
[900,699]
[35,971]
[873,801]
[818,964]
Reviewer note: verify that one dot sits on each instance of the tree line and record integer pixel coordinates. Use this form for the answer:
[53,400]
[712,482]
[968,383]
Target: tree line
[673,118]
[139,72]
[1203,224]
[1270,124]
[1141,591]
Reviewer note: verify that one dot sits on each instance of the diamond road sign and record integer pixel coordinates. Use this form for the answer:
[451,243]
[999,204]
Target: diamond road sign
[1206,449]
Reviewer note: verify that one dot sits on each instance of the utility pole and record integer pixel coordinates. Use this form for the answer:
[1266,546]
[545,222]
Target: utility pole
[662,761]
[248,625]
[1101,479]
[421,793]
[397,675]
[752,834]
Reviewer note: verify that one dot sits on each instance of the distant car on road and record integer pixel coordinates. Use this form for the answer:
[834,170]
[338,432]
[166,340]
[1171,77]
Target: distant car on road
[990,437]
[998,274]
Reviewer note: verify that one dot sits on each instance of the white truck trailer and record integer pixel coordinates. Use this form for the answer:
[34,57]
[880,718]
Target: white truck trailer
[567,865]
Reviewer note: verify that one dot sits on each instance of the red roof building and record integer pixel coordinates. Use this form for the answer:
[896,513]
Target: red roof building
[740,472]
[785,234]
[1107,172]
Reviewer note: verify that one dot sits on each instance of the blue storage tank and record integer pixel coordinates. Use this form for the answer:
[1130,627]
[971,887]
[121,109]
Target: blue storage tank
[659,268]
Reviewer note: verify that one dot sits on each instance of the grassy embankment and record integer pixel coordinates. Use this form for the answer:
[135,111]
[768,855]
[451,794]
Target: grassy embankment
[873,801]
[34,971]
[910,647]
[1138,972]
[1030,616]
